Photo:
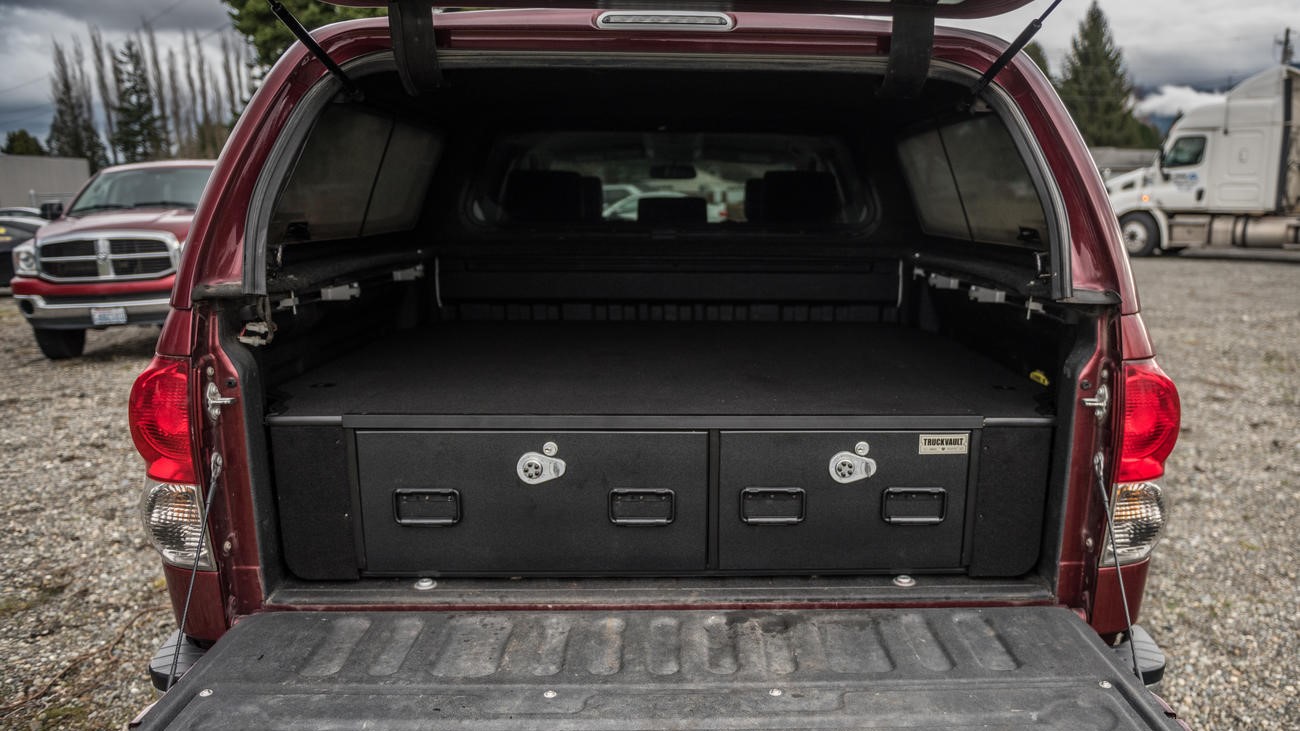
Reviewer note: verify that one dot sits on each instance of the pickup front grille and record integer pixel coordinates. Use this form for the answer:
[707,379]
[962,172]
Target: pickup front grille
[108,257]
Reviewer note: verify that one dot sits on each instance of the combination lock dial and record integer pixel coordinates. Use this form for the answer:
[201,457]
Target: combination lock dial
[846,467]
[534,468]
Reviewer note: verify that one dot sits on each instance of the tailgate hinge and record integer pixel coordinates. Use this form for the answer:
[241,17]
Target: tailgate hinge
[410,23]
[911,44]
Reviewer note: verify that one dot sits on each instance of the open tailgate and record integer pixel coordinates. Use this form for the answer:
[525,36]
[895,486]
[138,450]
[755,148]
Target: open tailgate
[1003,668]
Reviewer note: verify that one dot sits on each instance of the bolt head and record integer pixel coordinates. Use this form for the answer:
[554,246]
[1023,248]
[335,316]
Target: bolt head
[205,692]
[904,581]
[775,692]
[1104,684]
[425,584]
[549,694]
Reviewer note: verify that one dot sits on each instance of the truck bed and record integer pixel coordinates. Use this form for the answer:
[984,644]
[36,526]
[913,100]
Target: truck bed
[645,369]
[1005,668]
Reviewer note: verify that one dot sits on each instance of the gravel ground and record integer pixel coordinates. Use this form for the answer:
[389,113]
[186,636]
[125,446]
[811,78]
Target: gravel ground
[82,605]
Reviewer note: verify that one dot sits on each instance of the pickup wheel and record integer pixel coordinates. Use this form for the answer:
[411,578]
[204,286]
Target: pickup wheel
[1141,235]
[61,344]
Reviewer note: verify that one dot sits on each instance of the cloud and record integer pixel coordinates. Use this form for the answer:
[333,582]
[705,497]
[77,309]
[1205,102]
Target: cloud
[1171,100]
[128,15]
[1200,43]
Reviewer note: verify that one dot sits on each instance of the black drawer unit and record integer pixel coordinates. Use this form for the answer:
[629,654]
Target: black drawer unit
[514,502]
[843,500]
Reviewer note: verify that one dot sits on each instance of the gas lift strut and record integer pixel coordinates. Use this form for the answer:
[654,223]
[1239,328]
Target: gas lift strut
[295,27]
[1019,43]
[414,48]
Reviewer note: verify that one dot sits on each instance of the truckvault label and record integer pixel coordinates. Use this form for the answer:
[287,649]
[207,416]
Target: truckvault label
[944,444]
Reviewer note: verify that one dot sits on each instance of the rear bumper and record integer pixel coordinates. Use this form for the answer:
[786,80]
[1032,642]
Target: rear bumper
[74,313]
[1006,667]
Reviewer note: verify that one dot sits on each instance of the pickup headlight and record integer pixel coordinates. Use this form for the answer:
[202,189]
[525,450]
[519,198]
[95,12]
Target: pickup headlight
[25,259]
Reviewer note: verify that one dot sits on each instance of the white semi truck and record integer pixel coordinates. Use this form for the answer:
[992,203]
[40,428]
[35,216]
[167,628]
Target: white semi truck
[1228,174]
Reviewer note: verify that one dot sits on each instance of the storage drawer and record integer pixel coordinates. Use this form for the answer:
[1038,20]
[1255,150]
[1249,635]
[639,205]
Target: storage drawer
[447,502]
[813,501]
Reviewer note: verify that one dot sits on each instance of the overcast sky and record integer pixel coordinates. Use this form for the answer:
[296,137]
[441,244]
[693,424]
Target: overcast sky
[1174,43]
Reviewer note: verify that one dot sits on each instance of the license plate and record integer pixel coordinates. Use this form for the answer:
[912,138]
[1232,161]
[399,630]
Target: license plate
[108,315]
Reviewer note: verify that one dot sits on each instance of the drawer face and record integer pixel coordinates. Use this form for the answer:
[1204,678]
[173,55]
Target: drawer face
[447,502]
[809,501]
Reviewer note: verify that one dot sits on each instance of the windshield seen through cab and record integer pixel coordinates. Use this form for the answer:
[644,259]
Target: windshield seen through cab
[173,187]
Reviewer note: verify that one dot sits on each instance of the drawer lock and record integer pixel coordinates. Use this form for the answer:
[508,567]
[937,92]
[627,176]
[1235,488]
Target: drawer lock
[849,467]
[534,468]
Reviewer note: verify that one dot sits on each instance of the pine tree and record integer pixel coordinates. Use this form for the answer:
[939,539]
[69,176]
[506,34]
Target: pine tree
[1096,89]
[269,37]
[138,135]
[72,131]
[21,142]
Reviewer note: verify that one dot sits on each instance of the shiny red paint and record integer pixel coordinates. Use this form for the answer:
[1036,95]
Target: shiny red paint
[965,9]
[1108,610]
[32,285]
[215,255]
[206,620]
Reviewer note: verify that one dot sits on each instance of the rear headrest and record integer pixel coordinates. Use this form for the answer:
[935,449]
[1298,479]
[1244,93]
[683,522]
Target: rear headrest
[544,196]
[799,196]
[754,199]
[672,211]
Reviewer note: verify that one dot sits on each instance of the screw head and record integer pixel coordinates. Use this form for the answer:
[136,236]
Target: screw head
[861,449]
[549,694]
[205,692]
[227,547]
[550,449]
[904,581]
[775,692]
[1104,684]
[425,584]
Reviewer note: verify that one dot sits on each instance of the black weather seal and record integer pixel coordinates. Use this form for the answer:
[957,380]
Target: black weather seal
[911,45]
[410,23]
[1019,43]
[351,90]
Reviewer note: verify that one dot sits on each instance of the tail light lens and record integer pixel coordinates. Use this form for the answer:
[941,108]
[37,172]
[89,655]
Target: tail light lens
[1150,429]
[173,521]
[1151,417]
[160,420]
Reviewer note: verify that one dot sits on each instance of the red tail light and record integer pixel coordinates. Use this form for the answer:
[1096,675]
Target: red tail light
[160,420]
[1151,417]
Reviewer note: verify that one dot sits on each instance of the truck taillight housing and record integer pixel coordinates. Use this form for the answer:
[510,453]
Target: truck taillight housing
[1151,416]
[160,420]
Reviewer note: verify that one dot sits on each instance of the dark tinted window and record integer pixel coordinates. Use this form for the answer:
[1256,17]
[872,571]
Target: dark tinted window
[1185,151]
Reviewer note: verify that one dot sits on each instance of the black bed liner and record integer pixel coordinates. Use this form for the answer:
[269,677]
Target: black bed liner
[1003,668]
[645,370]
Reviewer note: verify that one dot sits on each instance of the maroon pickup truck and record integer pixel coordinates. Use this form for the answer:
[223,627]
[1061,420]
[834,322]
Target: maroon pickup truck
[431,442]
[111,257]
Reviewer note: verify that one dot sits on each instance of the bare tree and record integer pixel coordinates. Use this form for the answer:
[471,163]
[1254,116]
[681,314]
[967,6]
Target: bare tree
[228,70]
[159,87]
[180,120]
[107,99]
[204,108]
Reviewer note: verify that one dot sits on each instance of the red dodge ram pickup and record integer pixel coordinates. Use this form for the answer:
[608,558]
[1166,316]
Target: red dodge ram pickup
[111,257]
[432,443]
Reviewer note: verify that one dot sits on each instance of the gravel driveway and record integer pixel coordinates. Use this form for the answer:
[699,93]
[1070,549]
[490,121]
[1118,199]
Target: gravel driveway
[82,605]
